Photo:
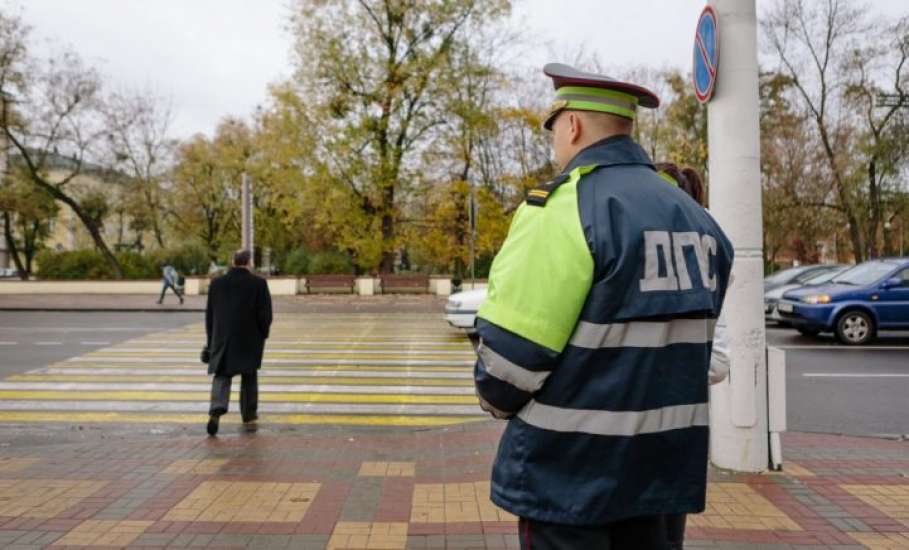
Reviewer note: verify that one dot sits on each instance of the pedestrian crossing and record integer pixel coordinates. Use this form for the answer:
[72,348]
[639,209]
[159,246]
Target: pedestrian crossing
[344,369]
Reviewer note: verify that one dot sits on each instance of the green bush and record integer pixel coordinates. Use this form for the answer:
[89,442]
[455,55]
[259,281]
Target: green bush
[296,262]
[91,265]
[137,266]
[330,263]
[73,264]
[188,259]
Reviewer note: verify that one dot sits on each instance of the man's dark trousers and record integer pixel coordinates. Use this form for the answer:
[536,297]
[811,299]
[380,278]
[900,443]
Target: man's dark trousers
[647,533]
[249,395]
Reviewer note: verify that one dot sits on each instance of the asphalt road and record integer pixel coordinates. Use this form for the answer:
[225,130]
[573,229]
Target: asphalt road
[30,340]
[831,388]
[846,390]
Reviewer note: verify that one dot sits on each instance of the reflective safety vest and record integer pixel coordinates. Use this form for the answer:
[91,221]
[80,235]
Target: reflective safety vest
[595,342]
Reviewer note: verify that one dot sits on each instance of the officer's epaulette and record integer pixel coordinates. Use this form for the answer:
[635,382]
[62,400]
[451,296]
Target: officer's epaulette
[539,195]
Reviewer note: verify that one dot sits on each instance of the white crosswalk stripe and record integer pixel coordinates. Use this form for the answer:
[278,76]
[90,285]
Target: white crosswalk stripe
[276,372]
[405,370]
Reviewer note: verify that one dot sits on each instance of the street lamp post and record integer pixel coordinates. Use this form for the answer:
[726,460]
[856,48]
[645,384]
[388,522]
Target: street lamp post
[247,217]
[473,210]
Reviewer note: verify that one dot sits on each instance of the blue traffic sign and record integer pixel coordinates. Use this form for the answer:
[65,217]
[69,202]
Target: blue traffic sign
[706,55]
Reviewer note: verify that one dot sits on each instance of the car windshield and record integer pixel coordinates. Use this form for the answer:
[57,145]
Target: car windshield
[864,274]
[825,277]
[811,273]
[782,277]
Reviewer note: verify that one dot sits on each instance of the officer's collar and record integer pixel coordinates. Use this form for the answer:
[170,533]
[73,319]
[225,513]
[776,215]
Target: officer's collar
[610,151]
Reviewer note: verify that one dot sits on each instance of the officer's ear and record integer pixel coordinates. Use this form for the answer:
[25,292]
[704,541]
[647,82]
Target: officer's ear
[575,127]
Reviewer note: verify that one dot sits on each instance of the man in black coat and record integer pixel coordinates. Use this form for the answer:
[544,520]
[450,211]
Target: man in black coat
[237,321]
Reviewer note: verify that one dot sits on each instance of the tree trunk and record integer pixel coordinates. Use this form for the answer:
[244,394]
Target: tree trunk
[871,235]
[855,235]
[156,227]
[92,229]
[156,223]
[11,246]
[387,264]
[31,245]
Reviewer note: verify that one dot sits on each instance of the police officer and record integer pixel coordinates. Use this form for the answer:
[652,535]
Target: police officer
[595,336]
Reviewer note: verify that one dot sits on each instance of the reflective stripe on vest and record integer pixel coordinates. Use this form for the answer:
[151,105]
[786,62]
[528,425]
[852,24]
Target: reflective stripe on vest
[614,423]
[506,371]
[643,334]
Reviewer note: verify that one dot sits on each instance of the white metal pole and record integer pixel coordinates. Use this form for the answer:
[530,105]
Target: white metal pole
[472,215]
[739,430]
[4,253]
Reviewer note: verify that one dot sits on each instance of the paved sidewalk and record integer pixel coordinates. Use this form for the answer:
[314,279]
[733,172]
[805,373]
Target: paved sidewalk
[316,303]
[354,487]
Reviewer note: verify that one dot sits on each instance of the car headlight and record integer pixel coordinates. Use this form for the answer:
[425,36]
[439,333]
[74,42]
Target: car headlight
[817,299]
[454,305]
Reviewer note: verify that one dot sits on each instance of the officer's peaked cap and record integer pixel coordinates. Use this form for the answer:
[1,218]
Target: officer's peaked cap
[583,91]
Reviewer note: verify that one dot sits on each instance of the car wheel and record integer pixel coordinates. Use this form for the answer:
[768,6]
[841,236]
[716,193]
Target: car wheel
[855,328]
[808,331]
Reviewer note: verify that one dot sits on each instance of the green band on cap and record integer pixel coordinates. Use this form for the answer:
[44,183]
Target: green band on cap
[601,108]
[630,100]
[585,98]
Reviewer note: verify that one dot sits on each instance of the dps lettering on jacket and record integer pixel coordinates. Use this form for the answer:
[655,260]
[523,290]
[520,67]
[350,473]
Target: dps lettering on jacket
[671,248]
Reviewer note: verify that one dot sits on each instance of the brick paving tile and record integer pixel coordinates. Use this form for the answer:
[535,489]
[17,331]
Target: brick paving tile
[334,487]
[103,533]
[355,534]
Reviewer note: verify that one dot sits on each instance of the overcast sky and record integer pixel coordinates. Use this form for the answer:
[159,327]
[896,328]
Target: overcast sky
[214,58]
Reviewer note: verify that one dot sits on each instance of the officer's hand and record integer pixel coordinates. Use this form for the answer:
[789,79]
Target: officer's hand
[496,413]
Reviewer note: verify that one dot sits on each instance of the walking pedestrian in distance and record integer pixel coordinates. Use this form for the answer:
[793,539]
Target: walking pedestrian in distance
[170,280]
[237,323]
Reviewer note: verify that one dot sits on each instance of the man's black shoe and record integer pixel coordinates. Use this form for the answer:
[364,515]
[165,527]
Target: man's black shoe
[252,424]
[212,427]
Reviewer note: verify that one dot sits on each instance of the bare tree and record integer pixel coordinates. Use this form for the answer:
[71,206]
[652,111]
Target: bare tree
[879,96]
[139,145]
[830,52]
[55,129]
[50,114]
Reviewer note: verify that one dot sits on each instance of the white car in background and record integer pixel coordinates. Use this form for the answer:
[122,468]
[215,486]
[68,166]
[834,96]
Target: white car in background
[461,309]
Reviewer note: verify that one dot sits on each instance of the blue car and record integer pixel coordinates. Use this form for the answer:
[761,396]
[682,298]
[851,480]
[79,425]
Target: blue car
[855,304]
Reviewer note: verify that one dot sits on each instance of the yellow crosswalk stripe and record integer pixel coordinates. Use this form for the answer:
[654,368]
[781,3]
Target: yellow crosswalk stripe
[265,396]
[337,369]
[197,368]
[313,419]
[302,356]
[263,379]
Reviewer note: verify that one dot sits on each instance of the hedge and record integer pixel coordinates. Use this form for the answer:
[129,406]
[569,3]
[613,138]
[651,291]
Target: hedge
[91,265]
[330,263]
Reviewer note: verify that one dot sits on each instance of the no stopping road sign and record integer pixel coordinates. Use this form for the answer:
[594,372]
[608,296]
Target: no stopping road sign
[706,55]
